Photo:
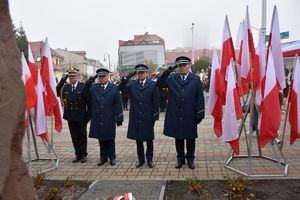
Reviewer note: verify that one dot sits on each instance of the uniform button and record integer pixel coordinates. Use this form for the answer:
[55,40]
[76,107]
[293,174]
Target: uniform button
[181,109]
[101,123]
[182,99]
[141,94]
[180,118]
[182,89]
[140,112]
[140,103]
[101,106]
[101,97]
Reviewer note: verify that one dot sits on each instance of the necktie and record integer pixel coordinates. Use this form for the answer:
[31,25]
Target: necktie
[73,88]
[182,78]
[142,83]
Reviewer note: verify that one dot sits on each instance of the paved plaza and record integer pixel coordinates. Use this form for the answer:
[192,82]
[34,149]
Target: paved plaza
[211,153]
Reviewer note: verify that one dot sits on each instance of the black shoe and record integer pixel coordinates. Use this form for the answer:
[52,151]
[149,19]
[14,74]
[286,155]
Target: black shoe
[83,159]
[112,162]
[179,164]
[150,164]
[139,164]
[101,162]
[191,164]
[76,159]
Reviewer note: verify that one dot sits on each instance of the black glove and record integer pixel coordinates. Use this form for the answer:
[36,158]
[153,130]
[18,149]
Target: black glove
[130,75]
[93,78]
[170,69]
[64,79]
[198,120]
[119,123]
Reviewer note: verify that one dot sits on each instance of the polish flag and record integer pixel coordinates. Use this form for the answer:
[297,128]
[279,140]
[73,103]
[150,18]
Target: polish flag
[40,115]
[248,59]
[275,45]
[294,117]
[29,85]
[227,55]
[270,107]
[262,67]
[232,113]
[32,65]
[214,102]
[52,103]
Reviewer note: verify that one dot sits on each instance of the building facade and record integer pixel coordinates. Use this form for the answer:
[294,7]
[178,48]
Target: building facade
[146,49]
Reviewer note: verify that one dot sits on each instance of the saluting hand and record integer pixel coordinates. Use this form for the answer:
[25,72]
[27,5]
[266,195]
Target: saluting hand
[130,75]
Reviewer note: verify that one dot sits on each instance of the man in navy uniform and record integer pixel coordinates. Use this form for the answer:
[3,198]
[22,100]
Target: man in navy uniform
[144,111]
[75,112]
[185,108]
[106,112]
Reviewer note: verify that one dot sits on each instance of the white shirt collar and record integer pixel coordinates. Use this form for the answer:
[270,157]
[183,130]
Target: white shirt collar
[75,85]
[105,85]
[143,81]
[185,76]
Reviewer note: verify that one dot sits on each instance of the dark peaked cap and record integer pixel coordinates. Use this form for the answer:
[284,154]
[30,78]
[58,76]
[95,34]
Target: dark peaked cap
[102,72]
[182,60]
[141,68]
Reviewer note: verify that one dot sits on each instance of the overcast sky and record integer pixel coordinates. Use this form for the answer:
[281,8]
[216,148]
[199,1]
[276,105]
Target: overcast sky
[96,25]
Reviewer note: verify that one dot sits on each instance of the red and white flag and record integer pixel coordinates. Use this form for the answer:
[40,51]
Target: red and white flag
[214,102]
[270,107]
[294,117]
[232,113]
[227,55]
[275,45]
[262,67]
[248,58]
[32,65]
[29,85]
[52,103]
[40,115]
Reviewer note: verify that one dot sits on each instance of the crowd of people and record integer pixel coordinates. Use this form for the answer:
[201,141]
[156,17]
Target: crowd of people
[101,103]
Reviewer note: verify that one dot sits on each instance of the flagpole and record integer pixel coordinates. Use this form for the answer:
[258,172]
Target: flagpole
[287,110]
[29,152]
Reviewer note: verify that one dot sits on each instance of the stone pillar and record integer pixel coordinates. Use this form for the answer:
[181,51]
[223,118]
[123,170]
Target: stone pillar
[15,183]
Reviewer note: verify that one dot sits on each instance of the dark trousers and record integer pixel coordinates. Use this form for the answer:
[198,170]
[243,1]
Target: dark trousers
[79,137]
[190,147]
[140,151]
[125,102]
[162,104]
[107,149]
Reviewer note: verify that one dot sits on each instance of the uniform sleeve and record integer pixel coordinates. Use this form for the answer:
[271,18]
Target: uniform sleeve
[123,84]
[162,80]
[155,104]
[60,86]
[118,109]
[200,102]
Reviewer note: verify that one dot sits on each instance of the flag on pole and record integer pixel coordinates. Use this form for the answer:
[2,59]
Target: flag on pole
[294,116]
[29,85]
[262,67]
[232,113]
[275,45]
[40,115]
[32,65]
[270,107]
[227,55]
[51,100]
[214,102]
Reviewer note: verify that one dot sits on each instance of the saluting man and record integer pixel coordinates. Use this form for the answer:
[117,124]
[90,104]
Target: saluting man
[185,108]
[106,112]
[144,111]
[75,112]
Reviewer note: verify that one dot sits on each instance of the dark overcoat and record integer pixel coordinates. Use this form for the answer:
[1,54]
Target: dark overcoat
[106,110]
[185,104]
[144,109]
[75,107]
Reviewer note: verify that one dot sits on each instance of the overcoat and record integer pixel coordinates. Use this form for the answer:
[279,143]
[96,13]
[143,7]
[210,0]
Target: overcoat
[185,105]
[105,110]
[144,109]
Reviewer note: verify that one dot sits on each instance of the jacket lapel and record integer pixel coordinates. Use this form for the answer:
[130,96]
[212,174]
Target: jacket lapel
[108,88]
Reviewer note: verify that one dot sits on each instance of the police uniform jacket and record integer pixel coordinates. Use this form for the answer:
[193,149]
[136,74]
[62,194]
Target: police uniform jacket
[75,107]
[106,110]
[185,105]
[144,109]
